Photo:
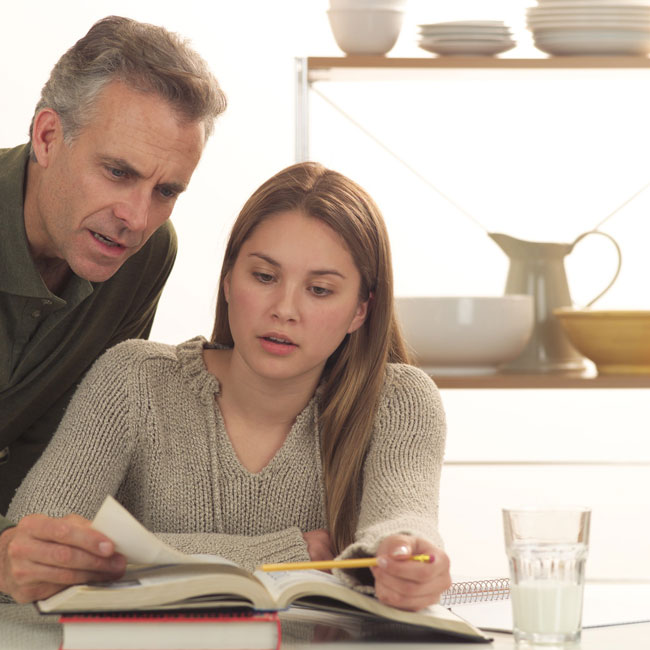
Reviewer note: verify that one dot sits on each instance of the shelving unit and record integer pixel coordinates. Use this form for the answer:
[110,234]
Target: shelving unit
[310,70]
[370,68]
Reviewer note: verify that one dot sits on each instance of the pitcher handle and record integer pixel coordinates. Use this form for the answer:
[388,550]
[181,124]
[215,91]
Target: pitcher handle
[618,268]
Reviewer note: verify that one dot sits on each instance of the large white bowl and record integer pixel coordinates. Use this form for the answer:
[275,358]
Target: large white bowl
[458,335]
[365,31]
[593,43]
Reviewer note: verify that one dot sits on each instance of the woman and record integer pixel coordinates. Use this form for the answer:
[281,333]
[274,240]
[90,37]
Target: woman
[298,433]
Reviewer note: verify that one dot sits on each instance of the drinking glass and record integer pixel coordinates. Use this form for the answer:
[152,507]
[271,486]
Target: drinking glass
[547,550]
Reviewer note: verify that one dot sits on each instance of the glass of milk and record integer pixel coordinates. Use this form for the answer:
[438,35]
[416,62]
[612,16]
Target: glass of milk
[547,550]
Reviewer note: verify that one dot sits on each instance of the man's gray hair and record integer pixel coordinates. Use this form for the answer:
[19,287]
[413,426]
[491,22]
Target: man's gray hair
[146,58]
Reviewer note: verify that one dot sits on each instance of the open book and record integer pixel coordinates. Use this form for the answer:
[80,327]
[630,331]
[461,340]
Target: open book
[161,577]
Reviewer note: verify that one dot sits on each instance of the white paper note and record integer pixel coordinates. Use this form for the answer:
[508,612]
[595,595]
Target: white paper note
[136,543]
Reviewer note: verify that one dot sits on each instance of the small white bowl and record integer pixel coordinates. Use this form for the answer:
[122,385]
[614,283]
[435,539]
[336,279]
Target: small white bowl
[365,31]
[466,335]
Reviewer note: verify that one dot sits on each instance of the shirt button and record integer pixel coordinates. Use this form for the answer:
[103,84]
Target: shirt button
[36,313]
[47,302]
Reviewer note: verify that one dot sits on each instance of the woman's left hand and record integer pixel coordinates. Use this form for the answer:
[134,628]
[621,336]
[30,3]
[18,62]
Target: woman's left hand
[408,584]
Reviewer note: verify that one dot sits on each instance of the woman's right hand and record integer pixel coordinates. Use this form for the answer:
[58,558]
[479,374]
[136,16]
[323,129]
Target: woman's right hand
[319,545]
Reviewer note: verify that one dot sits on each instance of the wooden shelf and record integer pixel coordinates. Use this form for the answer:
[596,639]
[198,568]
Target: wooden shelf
[553,62]
[549,380]
[385,68]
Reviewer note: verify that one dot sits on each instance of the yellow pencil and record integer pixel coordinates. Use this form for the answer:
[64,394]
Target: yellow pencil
[354,563]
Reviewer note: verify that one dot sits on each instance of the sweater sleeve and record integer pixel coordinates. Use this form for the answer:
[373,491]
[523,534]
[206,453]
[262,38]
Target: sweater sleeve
[5,523]
[401,477]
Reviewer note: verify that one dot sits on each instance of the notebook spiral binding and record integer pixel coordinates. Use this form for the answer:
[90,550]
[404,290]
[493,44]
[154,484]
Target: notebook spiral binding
[476,591]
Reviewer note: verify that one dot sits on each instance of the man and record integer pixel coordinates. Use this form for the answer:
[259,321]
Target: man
[85,249]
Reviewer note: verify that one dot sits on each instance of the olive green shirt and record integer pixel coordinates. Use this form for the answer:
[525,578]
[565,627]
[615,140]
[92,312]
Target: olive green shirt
[48,341]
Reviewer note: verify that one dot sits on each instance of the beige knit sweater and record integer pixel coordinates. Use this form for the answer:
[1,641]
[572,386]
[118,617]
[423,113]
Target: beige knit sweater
[145,427]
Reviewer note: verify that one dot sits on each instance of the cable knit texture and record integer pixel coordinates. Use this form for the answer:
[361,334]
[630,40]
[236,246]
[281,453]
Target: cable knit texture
[145,427]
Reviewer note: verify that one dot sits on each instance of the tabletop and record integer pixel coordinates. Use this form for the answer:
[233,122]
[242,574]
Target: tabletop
[23,628]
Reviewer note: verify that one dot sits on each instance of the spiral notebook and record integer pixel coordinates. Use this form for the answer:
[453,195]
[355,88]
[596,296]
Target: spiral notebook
[476,591]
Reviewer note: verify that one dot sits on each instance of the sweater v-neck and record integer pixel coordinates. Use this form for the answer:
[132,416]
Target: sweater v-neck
[300,435]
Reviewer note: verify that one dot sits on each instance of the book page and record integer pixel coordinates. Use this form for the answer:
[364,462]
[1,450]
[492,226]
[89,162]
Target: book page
[139,545]
[277,582]
[289,587]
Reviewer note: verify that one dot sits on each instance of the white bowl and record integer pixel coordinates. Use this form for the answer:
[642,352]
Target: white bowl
[367,4]
[465,23]
[458,335]
[595,43]
[467,47]
[365,31]
[473,31]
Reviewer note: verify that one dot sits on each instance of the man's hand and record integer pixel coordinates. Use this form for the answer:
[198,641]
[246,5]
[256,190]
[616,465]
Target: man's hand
[43,555]
[408,584]
[319,545]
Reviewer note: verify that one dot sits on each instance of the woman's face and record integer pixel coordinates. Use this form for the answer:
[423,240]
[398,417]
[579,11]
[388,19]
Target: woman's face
[293,295]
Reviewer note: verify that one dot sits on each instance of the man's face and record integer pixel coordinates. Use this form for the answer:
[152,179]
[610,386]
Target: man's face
[100,198]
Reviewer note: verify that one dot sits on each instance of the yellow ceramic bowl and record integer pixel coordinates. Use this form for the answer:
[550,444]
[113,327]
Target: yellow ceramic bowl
[617,341]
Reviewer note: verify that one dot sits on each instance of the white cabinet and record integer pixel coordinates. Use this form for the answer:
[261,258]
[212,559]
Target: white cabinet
[560,446]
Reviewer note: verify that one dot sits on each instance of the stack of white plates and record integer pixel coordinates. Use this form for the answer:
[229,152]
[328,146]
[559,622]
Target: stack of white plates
[568,27]
[466,38]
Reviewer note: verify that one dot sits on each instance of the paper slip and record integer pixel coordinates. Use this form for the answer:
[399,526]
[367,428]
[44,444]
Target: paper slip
[136,543]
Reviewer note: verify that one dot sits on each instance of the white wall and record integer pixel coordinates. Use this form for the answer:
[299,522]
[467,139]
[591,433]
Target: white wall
[540,157]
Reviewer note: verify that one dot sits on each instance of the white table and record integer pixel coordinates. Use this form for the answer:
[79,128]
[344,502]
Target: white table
[22,628]
[620,637]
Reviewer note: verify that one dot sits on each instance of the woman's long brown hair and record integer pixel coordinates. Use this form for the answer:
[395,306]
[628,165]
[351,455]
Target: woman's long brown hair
[354,374]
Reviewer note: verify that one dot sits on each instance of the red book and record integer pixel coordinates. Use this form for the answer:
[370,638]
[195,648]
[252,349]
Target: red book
[171,631]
